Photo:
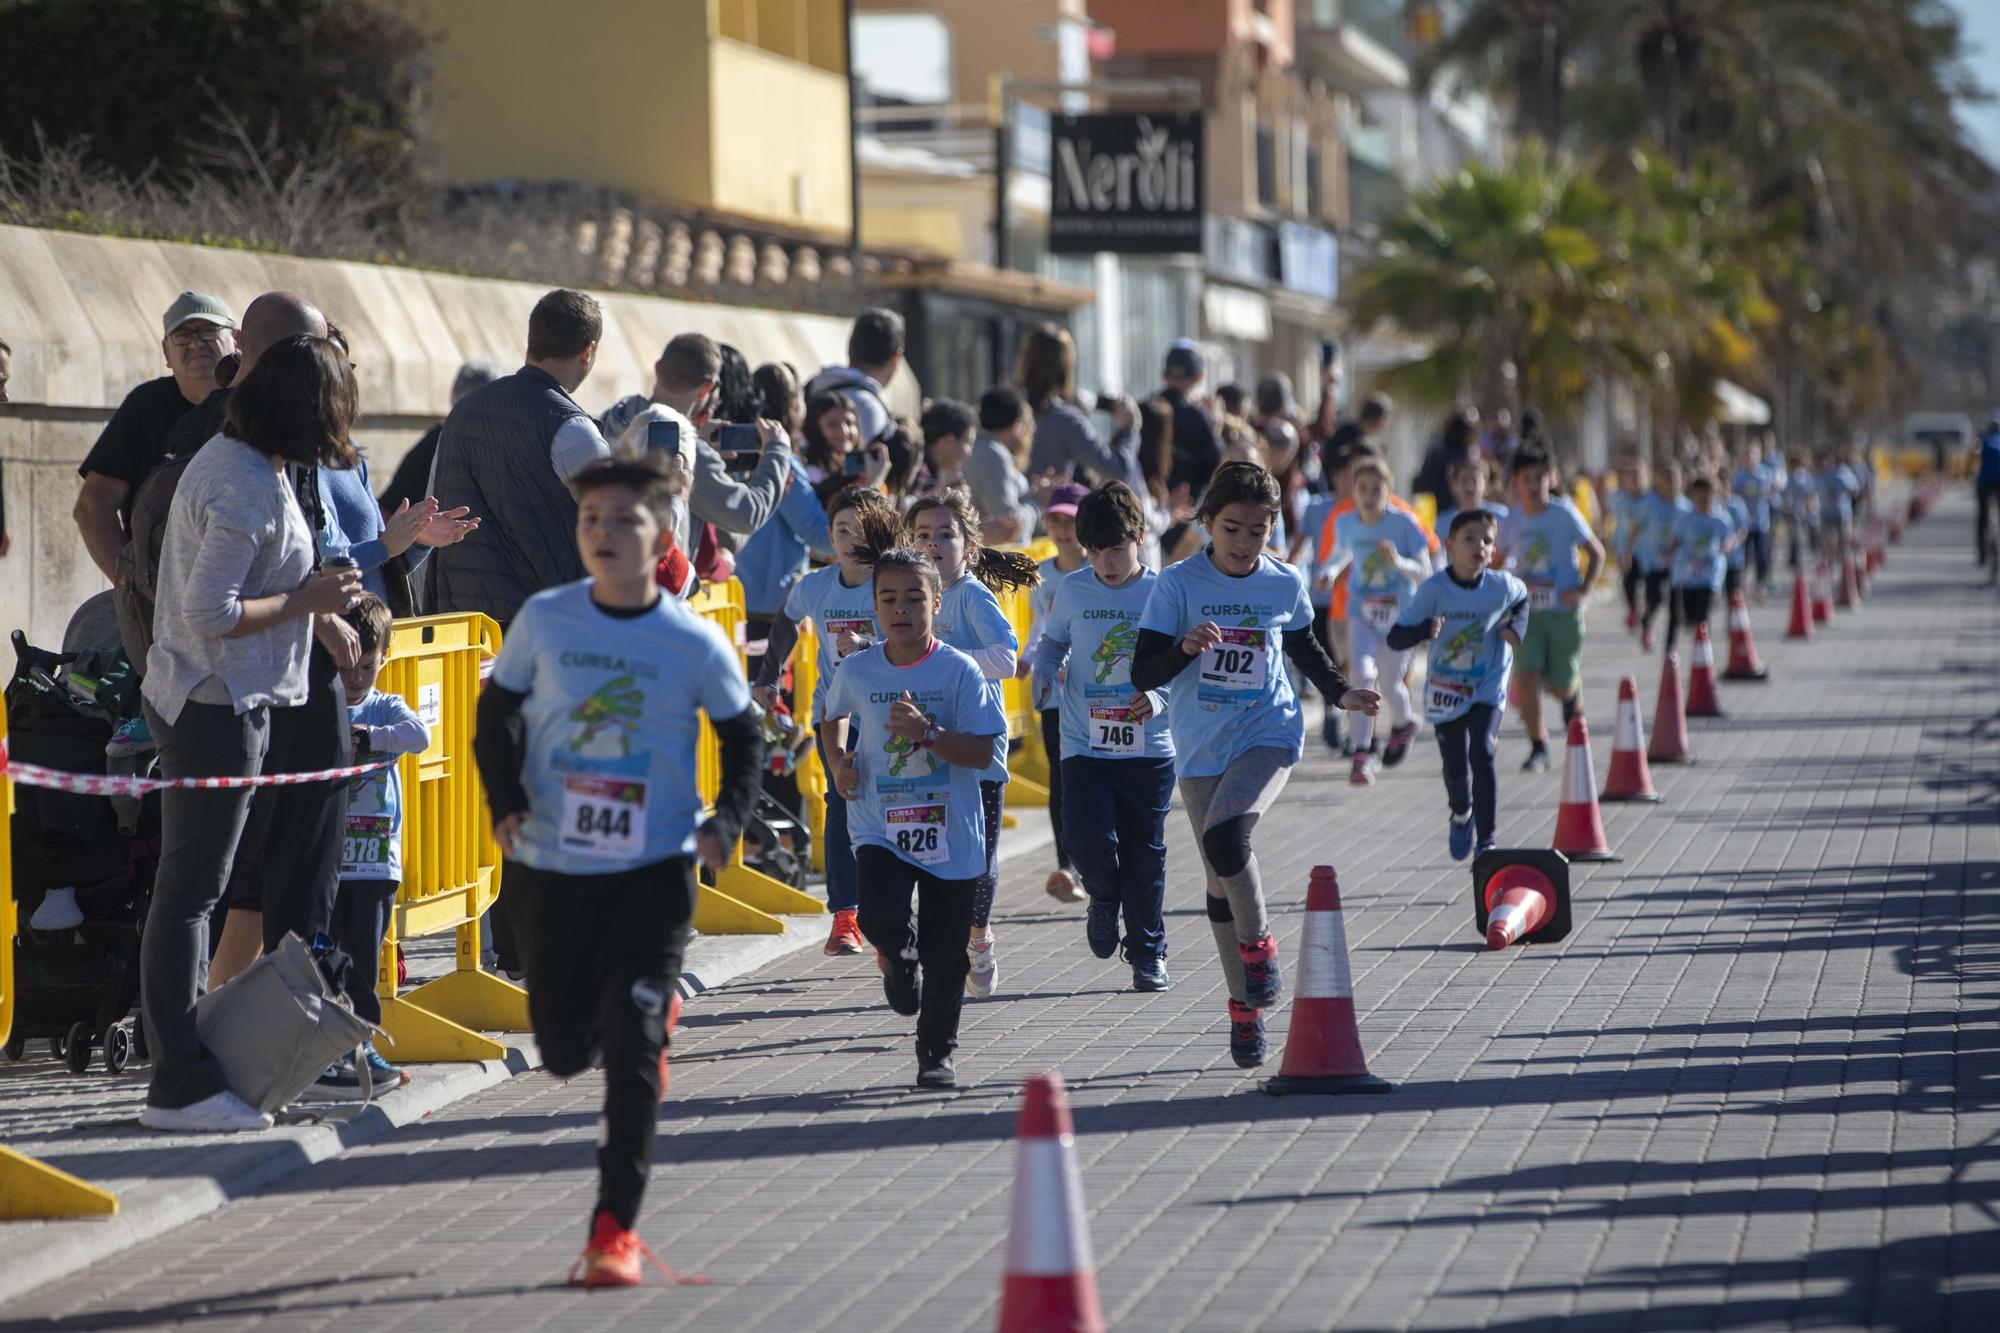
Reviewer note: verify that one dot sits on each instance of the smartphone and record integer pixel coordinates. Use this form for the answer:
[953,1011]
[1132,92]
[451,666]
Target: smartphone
[664,434]
[856,465]
[741,447]
[1329,352]
[1107,402]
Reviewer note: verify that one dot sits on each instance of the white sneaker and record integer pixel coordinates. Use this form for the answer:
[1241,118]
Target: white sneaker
[985,973]
[224,1113]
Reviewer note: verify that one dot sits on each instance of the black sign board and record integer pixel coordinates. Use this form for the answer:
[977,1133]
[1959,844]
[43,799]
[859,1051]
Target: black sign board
[1128,182]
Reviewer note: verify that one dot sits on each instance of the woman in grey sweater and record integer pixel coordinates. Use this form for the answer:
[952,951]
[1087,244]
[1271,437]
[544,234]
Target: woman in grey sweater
[233,632]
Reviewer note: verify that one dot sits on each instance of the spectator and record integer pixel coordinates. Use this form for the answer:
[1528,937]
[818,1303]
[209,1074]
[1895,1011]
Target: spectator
[949,427]
[199,332]
[1274,415]
[1065,441]
[1231,400]
[412,478]
[905,450]
[686,389]
[775,555]
[1368,426]
[1196,451]
[1459,439]
[508,449]
[239,608]
[778,397]
[1000,490]
[874,352]
[735,390]
[835,456]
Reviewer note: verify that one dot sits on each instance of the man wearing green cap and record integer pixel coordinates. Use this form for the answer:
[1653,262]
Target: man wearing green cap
[199,332]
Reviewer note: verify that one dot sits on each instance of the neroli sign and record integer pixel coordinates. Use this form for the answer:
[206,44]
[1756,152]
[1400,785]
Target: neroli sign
[1128,182]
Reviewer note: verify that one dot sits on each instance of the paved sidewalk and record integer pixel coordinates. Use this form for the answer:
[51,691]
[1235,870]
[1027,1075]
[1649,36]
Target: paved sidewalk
[1739,1095]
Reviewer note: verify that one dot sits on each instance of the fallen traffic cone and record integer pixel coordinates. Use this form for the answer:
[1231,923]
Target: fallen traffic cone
[1822,606]
[1629,778]
[1579,828]
[1802,616]
[1520,896]
[1323,1047]
[1701,700]
[1846,595]
[1670,732]
[1051,1281]
[1743,663]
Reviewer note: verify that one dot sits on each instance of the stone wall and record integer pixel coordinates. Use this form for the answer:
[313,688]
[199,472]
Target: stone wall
[82,314]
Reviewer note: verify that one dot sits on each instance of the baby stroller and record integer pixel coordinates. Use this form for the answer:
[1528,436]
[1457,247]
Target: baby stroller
[83,865]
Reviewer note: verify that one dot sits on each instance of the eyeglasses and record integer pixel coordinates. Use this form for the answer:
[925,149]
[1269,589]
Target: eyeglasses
[186,337]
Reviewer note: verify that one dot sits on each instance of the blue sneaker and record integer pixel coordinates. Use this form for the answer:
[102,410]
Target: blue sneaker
[133,737]
[1461,838]
[1150,974]
[386,1075]
[1483,848]
[1247,1043]
[1262,984]
[1100,926]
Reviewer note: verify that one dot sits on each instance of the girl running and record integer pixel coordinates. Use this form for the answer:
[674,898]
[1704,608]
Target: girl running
[840,602]
[1389,555]
[1235,721]
[945,526]
[928,724]
[1059,521]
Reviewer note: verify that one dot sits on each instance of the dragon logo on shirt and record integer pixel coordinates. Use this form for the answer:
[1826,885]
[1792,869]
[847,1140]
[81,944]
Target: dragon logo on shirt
[607,720]
[1461,651]
[368,794]
[903,751]
[1117,646]
[1536,559]
[1374,570]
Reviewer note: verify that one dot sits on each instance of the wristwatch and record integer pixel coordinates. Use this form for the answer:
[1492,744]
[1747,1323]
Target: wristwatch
[932,731]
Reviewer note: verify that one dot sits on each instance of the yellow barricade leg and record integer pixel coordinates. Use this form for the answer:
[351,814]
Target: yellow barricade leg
[35,1190]
[716,913]
[1026,793]
[415,1035]
[762,892]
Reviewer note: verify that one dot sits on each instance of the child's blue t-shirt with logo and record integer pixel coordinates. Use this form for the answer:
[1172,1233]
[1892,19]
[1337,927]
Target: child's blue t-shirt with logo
[613,716]
[372,835]
[1469,661]
[834,609]
[1541,551]
[1739,520]
[1753,487]
[926,811]
[1699,559]
[1090,636]
[1656,520]
[1375,587]
[969,618]
[1237,695]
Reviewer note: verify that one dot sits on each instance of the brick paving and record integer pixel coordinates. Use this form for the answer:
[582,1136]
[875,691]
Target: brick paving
[1740,1095]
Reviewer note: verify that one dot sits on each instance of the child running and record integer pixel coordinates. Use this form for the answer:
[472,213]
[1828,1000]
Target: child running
[1540,539]
[1236,725]
[1473,616]
[840,602]
[1388,552]
[929,725]
[1117,753]
[594,804]
[1698,545]
[945,526]
[1625,505]
[1467,478]
[1657,512]
[1059,521]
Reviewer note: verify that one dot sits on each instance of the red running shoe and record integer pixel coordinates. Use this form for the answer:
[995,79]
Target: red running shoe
[611,1258]
[845,936]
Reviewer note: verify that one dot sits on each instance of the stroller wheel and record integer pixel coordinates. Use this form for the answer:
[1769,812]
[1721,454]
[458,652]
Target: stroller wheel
[16,1047]
[59,1047]
[76,1048]
[117,1049]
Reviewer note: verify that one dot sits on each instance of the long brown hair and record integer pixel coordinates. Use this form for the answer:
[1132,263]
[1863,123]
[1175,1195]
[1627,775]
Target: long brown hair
[1045,371]
[998,570]
[881,525]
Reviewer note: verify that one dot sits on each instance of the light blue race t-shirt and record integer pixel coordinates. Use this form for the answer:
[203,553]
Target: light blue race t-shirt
[372,834]
[1656,519]
[1237,695]
[1089,637]
[1541,551]
[834,609]
[1375,587]
[969,618]
[1753,487]
[1698,554]
[613,714]
[1469,661]
[1739,521]
[926,811]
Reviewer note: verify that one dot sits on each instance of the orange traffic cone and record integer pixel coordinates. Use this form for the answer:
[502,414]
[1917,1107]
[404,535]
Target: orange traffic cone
[1822,606]
[1629,778]
[1051,1281]
[1323,1047]
[1520,895]
[1743,663]
[1701,700]
[1860,564]
[1579,828]
[1670,732]
[1846,594]
[1802,616]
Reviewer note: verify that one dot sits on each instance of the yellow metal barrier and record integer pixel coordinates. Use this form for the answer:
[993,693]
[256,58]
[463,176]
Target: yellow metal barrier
[451,865]
[1426,506]
[811,775]
[28,1188]
[742,901]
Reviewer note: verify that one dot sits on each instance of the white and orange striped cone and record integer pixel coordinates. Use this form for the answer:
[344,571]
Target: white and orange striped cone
[1629,779]
[1744,663]
[1822,605]
[1802,616]
[1846,592]
[1701,697]
[1670,729]
[1520,896]
[1861,572]
[1051,1281]
[1323,1047]
[1579,826]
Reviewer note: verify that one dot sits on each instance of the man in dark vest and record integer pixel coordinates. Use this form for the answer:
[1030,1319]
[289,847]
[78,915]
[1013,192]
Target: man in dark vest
[509,449]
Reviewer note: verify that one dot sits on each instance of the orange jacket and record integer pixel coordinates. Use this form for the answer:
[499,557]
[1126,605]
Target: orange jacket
[1336,608]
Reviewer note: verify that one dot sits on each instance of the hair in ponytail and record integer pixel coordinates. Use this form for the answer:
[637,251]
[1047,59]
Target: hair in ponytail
[881,524]
[1000,571]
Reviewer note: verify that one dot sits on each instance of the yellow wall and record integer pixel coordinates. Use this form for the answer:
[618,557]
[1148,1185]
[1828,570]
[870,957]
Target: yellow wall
[780,139]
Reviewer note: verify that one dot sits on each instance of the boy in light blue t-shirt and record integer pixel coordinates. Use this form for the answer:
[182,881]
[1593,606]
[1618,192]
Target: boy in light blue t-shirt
[1698,545]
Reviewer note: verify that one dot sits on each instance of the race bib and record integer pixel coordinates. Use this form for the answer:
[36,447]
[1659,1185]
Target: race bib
[919,832]
[1114,732]
[1238,663]
[833,629]
[604,817]
[1379,612]
[365,853]
[1442,698]
[1541,596]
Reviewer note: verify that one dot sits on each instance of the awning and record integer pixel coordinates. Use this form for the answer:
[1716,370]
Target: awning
[1234,312]
[1740,407]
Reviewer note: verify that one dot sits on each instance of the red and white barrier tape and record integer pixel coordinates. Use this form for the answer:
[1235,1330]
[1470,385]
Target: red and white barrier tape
[99,784]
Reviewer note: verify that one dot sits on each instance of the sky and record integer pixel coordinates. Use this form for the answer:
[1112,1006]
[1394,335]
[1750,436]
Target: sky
[1982,38]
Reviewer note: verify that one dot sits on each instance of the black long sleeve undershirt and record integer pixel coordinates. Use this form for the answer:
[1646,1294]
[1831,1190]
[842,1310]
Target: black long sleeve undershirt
[1401,638]
[1159,658]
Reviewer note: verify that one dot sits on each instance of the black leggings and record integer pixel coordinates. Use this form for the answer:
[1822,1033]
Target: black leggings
[1052,747]
[992,795]
[937,937]
[1689,607]
[1656,593]
[604,954]
[1757,555]
[1634,576]
[1988,498]
[1467,743]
